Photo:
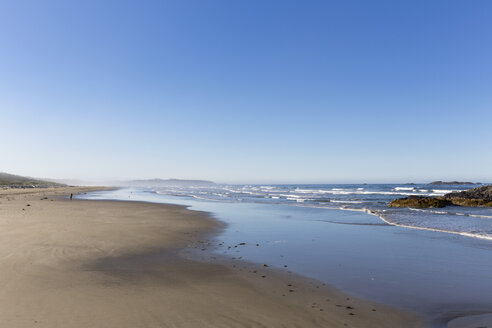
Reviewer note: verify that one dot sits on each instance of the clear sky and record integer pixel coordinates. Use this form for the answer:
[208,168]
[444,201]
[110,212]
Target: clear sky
[247,91]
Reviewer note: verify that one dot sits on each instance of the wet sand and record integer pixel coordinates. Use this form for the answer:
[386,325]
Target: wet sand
[120,264]
[472,321]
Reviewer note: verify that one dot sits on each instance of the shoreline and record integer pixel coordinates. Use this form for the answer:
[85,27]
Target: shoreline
[384,220]
[109,263]
[437,314]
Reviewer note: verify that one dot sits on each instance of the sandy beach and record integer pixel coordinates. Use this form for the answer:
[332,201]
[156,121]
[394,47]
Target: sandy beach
[87,263]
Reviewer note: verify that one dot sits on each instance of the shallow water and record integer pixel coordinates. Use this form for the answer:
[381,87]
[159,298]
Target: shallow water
[475,222]
[430,272]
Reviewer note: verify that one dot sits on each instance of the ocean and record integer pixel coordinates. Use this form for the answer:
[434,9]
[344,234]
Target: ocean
[437,262]
[370,198]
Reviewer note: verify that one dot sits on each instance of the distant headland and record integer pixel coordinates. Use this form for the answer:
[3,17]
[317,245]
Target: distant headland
[454,183]
[167,183]
[16,181]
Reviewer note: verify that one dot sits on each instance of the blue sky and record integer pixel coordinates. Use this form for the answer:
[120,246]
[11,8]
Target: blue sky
[247,91]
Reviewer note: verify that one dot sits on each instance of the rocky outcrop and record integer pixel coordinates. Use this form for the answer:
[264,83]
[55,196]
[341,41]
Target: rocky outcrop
[481,196]
[419,202]
[471,202]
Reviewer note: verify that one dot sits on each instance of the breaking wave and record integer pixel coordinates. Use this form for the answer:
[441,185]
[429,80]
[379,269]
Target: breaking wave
[369,198]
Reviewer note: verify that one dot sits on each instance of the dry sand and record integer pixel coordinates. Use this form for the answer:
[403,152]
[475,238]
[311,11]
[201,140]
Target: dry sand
[118,264]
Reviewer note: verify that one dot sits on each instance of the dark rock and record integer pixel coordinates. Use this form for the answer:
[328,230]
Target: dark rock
[419,202]
[471,202]
[481,196]
[484,193]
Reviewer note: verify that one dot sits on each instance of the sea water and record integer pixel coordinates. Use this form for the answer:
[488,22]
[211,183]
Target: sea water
[437,262]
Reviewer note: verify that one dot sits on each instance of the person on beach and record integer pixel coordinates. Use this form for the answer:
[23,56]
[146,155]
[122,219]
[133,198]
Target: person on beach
[71,195]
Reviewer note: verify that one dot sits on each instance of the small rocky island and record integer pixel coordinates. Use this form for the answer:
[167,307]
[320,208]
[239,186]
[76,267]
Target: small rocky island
[444,183]
[481,196]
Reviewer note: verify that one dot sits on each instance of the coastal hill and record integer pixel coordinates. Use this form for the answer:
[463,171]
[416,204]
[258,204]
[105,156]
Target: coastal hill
[168,183]
[480,196]
[17,181]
